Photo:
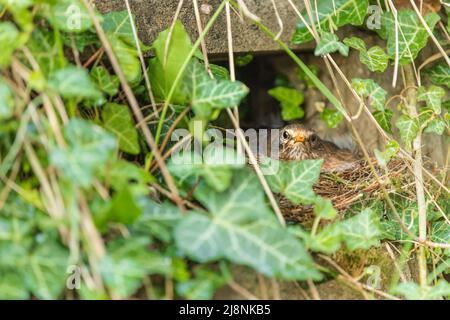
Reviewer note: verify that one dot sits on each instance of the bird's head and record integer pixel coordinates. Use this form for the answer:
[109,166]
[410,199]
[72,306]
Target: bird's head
[298,143]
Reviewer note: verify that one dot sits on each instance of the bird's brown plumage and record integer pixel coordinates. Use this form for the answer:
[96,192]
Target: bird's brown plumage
[300,143]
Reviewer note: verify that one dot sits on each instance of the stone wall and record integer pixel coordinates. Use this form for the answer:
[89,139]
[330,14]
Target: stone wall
[153,16]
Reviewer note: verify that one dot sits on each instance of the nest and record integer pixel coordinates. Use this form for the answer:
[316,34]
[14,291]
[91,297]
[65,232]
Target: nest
[347,187]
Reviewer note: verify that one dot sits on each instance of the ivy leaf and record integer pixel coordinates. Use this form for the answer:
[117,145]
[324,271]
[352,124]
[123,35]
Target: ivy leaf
[331,117]
[45,274]
[329,43]
[244,60]
[413,291]
[355,43]
[412,35]
[361,231]
[202,287]
[290,100]
[73,83]
[69,16]
[295,179]
[118,24]
[163,69]
[215,166]
[89,148]
[117,119]
[432,96]
[205,93]
[375,58]
[6,101]
[439,74]
[409,215]
[384,119]
[391,149]
[12,286]
[440,232]
[328,240]
[127,56]
[106,82]
[436,126]
[409,128]
[8,42]
[329,15]
[122,208]
[367,88]
[157,220]
[323,208]
[219,72]
[128,262]
[243,230]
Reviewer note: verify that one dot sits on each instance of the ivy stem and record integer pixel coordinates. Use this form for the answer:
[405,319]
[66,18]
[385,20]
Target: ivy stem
[315,226]
[411,97]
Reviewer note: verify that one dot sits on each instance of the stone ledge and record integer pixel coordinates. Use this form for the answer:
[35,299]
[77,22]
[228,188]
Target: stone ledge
[153,16]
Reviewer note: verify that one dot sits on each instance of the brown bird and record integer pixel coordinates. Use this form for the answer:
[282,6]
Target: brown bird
[300,143]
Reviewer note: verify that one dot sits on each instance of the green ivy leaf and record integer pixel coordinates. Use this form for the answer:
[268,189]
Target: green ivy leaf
[202,287]
[205,93]
[89,148]
[436,126]
[6,101]
[8,42]
[331,117]
[433,96]
[329,15]
[391,149]
[361,231]
[329,43]
[106,82]
[375,58]
[409,128]
[69,16]
[12,287]
[244,60]
[367,88]
[412,35]
[243,230]
[118,24]
[127,56]
[290,100]
[157,220]
[328,240]
[413,291]
[128,262]
[440,232]
[439,74]
[219,72]
[384,119]
[73,83]
[45,274]
[295,179]
[215,166]
[117,119]
[323,208]
[122,208]
[164,69]
[408,212]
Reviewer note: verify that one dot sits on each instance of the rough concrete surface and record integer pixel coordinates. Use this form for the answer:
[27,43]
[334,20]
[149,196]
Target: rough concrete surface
[153,16]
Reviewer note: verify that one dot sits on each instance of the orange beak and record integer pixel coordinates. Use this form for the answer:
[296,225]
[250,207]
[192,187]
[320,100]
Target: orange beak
[299,137]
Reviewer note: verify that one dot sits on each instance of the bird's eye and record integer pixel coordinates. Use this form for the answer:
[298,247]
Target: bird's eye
[286,135]
[314,138]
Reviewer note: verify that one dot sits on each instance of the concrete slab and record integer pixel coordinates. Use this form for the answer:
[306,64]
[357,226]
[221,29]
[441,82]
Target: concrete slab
[153,16]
